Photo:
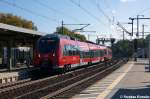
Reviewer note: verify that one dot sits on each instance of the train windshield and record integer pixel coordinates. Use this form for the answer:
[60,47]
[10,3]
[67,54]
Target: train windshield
[47,45]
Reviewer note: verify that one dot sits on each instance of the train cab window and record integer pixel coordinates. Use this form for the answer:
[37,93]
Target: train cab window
[47,45]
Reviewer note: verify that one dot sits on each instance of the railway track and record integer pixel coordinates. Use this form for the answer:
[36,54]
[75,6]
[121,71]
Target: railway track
[52,86]
[76,88]
[7,85]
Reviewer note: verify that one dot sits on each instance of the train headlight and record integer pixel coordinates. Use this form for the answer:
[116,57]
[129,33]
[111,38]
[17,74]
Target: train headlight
[39,55]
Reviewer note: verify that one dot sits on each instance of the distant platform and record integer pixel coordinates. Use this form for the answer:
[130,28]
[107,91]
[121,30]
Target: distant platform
[129,81]
[8,77]
[14,75]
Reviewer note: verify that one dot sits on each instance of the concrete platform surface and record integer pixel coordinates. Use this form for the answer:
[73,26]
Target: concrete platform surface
[128,82]
[12,76]
[8,77]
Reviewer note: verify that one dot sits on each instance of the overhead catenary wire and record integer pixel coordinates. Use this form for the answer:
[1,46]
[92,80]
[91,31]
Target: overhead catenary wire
[111,11]
[108,6]
[88,12]
[140,12]
[101,10]
[29,11]
[55,10]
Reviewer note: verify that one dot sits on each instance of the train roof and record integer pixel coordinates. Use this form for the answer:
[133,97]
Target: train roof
[59,36]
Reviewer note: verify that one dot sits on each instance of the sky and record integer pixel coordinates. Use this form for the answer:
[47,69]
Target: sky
[102,15]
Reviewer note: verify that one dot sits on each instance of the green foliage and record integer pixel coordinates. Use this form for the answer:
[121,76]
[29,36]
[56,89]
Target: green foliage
[123,48]
[142,43]
[16,21]
[127,48]
[65,31]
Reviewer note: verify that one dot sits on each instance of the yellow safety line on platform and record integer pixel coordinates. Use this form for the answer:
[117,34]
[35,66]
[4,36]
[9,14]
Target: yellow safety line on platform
[110,87]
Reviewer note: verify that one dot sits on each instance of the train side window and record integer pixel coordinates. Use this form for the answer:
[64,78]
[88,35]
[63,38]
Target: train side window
[81,54]
[69,50]
[105,52]
[64,51]
[86,54]
[91,53]
[74,50]
[96,53]
[100,54]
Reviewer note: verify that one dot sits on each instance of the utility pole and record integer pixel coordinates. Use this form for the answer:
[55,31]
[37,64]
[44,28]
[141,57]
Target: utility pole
[143,31]
[132,27]
[62,24]
[137,18]
[137,34]
[132,19]
[123,35]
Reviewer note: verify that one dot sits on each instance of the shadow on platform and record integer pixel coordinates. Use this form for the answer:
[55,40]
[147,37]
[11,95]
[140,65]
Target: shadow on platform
[141,93]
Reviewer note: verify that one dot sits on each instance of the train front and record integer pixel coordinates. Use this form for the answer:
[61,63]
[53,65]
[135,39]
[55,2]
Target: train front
[46,55]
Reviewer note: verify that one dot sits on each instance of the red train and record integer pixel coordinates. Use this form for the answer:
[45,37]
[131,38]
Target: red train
[55,51]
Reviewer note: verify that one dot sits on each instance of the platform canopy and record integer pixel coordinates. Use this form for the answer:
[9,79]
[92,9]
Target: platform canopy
[7,27]
[12,40]
[18,35]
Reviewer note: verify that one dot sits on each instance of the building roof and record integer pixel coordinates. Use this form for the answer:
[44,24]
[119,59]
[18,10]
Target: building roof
[19,29]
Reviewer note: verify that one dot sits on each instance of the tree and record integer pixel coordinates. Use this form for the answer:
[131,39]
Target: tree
[66,31]
[126,48]
[16,21]
[123,48]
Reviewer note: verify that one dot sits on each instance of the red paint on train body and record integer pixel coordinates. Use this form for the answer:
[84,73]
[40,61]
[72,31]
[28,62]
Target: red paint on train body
[55,51]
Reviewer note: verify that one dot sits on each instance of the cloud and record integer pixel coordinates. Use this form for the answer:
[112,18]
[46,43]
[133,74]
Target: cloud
[127,1]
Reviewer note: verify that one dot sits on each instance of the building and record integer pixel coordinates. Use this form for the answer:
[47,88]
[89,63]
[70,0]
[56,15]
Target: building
[16,46]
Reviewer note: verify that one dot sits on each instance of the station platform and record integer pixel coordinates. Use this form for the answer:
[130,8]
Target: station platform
[8,77]
[130,81]
[15,75]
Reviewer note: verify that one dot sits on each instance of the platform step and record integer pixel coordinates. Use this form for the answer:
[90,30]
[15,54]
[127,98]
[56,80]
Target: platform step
[8,77]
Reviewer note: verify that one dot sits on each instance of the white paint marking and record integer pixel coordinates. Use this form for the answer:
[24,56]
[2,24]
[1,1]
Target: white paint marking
[110,87]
